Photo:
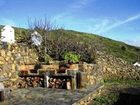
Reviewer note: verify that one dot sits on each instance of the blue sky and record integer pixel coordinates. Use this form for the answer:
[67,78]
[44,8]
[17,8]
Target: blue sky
[116,19]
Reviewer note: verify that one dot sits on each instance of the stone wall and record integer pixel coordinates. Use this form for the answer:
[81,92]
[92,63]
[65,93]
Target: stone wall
[91,74]
[117,67]
[86,100]
[107,66]
[10,60]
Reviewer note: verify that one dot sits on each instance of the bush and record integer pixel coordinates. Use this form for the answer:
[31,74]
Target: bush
[123,48]
[47,58]
[71,57]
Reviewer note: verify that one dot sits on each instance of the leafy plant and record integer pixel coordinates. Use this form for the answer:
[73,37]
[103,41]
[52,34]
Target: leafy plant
[47,58]
[71,57]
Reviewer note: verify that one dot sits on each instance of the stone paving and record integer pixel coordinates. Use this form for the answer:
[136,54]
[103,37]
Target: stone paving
[45,96]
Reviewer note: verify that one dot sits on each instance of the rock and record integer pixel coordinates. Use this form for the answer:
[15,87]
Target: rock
[9,74]
[1,62]
[3,53]
[13,67]
[9,53]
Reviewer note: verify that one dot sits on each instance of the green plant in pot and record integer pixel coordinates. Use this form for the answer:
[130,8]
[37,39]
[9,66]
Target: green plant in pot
[71,57]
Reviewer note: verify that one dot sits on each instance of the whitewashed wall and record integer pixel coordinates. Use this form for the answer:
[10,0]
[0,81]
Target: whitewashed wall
[8,34]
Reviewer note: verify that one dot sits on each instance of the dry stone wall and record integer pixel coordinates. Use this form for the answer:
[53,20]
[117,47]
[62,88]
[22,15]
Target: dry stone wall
[114,67]
[10,60]
[107,66]
[91,74]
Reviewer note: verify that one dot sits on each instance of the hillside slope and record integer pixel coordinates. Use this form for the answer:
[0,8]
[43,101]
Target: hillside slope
[102,44]
[89,41]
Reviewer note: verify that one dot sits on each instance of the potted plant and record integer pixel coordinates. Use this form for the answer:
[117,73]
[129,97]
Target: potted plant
[71,58]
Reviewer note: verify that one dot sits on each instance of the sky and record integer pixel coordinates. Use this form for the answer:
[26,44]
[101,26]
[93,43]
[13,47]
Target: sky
[115,19]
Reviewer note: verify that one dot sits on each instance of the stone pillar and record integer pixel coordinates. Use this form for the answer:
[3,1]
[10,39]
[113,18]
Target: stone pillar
[73,82]
[69,87]
[46,79]
[78,79]
[73,79]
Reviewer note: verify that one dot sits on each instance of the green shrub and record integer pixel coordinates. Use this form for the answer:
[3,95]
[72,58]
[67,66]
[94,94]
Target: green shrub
[47,58]
[71,57]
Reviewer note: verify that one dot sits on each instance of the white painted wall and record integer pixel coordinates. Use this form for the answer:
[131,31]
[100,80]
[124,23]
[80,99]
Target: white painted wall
[137,64]
[8,34]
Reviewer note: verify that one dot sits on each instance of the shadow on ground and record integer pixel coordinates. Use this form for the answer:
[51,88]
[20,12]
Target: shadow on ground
[129,96]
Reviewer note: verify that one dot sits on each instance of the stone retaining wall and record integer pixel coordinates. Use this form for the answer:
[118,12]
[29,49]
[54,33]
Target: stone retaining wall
[114,67]
[86,100]
[10,60]
[107,66]
[91,74]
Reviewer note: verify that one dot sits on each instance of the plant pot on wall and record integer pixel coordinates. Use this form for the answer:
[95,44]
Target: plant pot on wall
[71,57]
[73,67]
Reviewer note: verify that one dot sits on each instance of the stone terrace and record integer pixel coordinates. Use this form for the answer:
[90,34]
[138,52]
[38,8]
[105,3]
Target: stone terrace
[45,96]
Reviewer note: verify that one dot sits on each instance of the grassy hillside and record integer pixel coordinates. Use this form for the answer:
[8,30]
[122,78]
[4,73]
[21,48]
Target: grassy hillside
[71,40]
[116,48]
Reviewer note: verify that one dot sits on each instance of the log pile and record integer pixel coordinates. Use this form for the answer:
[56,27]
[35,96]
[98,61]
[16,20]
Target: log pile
[26,82]
[58,83]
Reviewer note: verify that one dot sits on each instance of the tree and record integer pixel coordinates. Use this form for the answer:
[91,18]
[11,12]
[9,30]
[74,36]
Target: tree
[44,28]
[58,41]
[123,48]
